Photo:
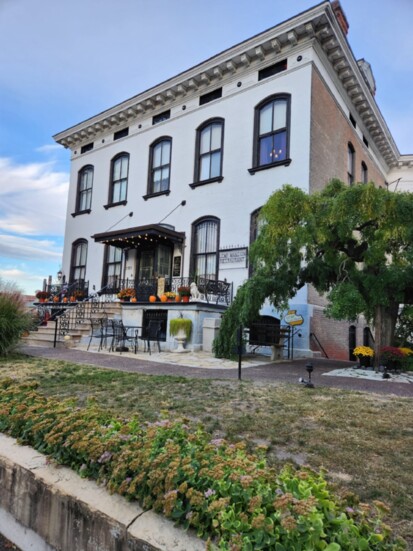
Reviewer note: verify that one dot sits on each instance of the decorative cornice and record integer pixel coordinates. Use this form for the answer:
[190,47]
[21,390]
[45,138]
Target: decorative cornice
[318,23]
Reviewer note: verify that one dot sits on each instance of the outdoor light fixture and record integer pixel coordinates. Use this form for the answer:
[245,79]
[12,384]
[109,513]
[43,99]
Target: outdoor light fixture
[308,383]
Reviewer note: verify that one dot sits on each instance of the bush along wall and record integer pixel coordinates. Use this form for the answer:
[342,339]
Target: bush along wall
[232,498]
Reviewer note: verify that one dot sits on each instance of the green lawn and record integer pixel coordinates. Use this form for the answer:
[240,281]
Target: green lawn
[365,441]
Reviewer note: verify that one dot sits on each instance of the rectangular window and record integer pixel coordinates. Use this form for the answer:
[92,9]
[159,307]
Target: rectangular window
[121,134]
[272,69]
[210,96]
[161,117]
[86,148]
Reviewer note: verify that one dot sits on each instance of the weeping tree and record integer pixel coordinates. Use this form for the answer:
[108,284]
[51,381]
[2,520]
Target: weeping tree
[354,244]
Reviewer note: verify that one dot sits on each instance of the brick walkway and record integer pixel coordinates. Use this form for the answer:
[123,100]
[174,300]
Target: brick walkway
[260,372]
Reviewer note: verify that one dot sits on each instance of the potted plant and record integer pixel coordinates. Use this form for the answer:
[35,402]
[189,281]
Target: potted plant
[364,355]
[78,295]
[392,357]
[126,294]
[42,295]
[170,296]
[181,329]
[184,292]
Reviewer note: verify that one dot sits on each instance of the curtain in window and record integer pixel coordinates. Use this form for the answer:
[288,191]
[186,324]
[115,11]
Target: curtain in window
[206,247]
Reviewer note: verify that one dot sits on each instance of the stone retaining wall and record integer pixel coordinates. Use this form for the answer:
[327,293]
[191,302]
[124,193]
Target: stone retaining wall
[54,509]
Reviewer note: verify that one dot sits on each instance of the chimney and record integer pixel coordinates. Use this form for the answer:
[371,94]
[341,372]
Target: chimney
[340,16]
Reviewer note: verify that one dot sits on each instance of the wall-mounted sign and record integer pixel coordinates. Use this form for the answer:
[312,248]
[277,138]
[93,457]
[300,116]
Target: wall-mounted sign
[233,258]
[292,318]
[176,271]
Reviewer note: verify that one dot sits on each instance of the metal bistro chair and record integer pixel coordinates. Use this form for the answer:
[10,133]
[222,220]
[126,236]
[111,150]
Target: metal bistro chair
[152,334]
[121,337]
[96,332]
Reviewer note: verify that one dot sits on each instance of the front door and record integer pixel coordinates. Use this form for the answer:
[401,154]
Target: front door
[146,262]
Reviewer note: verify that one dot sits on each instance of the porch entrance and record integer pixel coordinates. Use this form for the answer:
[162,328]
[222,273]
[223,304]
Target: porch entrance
[153,263]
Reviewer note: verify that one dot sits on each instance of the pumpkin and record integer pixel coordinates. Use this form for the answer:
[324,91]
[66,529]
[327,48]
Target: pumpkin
[152,298]
[164,298]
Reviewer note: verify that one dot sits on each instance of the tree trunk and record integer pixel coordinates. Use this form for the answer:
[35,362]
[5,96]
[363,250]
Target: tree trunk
[384,325]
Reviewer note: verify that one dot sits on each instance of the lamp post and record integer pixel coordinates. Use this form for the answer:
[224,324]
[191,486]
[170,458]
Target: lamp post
[308,383]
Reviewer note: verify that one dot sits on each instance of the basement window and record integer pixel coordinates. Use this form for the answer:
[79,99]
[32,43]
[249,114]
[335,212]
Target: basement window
[272,69]
[211,96]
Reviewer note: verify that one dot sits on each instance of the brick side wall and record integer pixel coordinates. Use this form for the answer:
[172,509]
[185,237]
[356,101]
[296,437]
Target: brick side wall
[331,131]
[334,335]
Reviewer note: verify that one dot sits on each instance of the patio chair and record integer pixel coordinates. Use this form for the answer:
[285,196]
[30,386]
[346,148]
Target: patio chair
[152,334]
[122,336]
[96,332]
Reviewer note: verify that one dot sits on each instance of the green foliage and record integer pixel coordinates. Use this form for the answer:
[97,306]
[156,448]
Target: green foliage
[176,324]
[352,243]
[13,320]
[225,493]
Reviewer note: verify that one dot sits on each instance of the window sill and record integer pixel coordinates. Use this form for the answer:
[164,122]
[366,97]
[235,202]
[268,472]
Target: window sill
[111,205]
[157,194]
[79,212]
[285,162]
[205,182]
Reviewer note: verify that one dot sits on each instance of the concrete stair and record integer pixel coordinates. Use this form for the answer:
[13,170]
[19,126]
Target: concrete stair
[45,334]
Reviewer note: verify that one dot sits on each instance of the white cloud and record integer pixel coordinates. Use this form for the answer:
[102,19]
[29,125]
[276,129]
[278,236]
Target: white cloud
[33,198]
[15,247]
[27,282]
[49,148]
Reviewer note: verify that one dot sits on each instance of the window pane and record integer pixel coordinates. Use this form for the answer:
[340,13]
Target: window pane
[124,167]
[166,152]
[204,168]
[211,237]
[122,190]
[215,164]
[116,193]
[280,147]
[83,251]
[205,144]
[216,136]
[116,169]
[211,263]
[156,185]
[266,119]
[164,261]
[265,150]
[157,155]
[280,114]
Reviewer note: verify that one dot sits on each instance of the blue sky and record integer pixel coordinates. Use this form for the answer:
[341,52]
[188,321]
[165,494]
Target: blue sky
[64,61]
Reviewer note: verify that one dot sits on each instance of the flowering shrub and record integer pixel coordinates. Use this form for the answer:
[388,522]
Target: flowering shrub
[129,292]
[184,291]
[363,351]
[170,294]
[225,493]
[42,294]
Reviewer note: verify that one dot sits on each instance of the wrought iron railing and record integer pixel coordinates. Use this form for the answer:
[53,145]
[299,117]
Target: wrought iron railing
[78,289]
[218,292]
[69,317]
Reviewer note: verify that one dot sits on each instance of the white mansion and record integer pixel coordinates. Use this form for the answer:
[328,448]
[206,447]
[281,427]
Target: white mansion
[168,183]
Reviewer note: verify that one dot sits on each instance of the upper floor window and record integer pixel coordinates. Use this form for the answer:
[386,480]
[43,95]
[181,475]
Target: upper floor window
[209,151]
[161,117]
[160,166]
[271,133]
[351,157]
[205,246]
[86,148]
[78,261]
[84,189]
[364,173]
[119,178]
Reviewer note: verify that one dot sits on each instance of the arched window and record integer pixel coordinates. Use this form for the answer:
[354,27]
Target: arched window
[119,179]
[364,173]
[351,157]
[78,261]
[205,246]
[209,151]
[84,189]
[112,267]
[160,166]
[271,132]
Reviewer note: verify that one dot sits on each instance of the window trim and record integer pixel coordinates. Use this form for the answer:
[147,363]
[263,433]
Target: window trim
[197,166]
[73,267]
[256,167]
[149,191]
[111,202]
[195,224]
[78,192]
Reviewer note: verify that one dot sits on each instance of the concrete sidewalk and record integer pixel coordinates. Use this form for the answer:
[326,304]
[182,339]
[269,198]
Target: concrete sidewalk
[201,365]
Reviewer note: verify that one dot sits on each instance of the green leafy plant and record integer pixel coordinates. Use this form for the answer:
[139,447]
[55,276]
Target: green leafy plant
[14,320]
[184,291]
[226,494]
[178,324]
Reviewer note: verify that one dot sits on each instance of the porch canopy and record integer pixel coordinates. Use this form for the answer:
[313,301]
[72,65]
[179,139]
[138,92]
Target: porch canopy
[140,237]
